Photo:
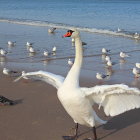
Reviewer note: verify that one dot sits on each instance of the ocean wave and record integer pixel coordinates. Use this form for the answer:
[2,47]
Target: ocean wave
[119,32]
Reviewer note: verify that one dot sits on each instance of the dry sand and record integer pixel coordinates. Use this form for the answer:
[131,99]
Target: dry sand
[40,116]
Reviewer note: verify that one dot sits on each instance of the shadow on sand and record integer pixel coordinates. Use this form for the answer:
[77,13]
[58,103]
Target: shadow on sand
[116,123]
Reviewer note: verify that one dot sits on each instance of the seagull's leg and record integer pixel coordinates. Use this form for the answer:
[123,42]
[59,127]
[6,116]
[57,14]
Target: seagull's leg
[94,132]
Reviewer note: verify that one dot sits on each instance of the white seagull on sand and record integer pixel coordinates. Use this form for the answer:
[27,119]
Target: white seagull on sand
[78,101]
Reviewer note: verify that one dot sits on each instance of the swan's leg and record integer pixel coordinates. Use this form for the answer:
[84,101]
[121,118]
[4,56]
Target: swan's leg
[76,130]
[94,132]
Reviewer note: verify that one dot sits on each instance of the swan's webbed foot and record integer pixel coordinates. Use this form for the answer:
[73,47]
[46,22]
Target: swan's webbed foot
[75,136]
[70,137]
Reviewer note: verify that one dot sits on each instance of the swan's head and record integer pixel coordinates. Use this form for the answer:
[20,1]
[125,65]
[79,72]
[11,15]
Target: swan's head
[72,33]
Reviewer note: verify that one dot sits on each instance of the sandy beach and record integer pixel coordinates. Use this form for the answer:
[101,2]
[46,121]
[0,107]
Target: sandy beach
[39,115]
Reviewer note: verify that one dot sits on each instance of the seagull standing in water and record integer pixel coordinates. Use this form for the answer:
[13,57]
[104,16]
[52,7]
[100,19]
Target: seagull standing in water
[29,44]
[11,43]
[70,62]
[51,30]
[136,72]
[3,52]
[46,53]
[101,76]
[54,49]
[78,101]
[123,55]
[138,65]
[105,51]
[8,72]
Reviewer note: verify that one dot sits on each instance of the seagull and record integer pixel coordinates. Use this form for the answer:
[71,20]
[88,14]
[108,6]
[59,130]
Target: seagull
[123,55]
[107,58]
[78,101]
[8,72]
[101,76]
[10,43]
[119,30]
[51,30]
[136,35]
[105,51]
[3,52]
[46,53]
[70,62]
[110,63]
[54,49]
[138,65]
[32,50]
[29,44]
[136,72]
[5,101]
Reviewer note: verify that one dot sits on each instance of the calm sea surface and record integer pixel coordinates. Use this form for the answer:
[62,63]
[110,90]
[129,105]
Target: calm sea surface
[99,14]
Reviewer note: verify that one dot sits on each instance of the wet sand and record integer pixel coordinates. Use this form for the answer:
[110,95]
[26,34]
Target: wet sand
[39,114]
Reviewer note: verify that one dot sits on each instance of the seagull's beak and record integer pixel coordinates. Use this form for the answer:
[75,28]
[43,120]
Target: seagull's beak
[68,34]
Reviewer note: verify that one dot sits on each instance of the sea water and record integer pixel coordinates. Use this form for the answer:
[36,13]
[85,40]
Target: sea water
[97,20]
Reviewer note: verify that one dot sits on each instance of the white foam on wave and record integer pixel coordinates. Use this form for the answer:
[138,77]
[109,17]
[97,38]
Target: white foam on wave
[66,26]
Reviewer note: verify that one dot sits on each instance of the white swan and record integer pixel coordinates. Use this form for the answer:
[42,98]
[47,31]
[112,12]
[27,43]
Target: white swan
[78,101]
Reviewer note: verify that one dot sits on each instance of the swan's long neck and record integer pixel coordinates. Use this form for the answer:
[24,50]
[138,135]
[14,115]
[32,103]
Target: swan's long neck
[72,78]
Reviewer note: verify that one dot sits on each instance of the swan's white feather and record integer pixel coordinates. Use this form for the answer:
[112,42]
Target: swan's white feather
[52,79]
[115,99]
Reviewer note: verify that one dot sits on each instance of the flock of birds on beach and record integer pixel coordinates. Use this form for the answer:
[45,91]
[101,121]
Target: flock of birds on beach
[78,101]
[46,53]
[109,63]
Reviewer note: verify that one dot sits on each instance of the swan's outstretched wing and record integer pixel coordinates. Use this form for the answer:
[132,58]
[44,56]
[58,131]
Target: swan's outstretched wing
[115,99]
[53,79]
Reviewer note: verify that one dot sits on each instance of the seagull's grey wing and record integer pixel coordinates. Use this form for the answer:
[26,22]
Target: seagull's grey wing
[53,79]
[115,99]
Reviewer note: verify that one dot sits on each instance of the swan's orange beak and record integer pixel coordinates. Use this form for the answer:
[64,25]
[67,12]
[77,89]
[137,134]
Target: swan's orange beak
[68,34]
